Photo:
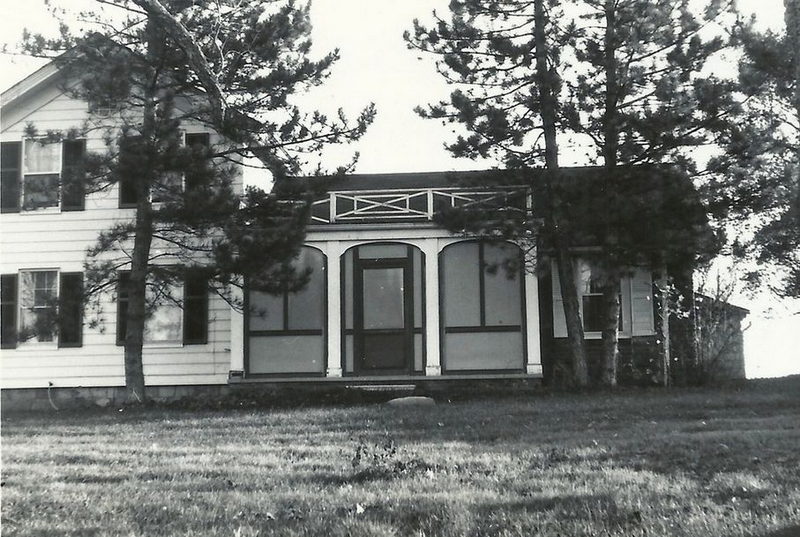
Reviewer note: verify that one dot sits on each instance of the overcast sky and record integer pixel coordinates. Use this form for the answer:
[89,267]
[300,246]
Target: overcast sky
[377,67]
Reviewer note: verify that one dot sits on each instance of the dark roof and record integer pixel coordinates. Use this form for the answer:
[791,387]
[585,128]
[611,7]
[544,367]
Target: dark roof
[655,207]
[444,179]
[385,181]
[703,299]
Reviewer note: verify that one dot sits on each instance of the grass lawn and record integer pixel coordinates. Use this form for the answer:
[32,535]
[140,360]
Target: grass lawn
[710,462]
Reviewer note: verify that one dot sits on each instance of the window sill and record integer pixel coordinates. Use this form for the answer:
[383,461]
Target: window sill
[36,347]
[163,345]
[599,335]
[44,210]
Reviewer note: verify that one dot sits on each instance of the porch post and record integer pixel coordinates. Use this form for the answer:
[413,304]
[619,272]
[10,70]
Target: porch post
[333,250]
[433,367]
[237,331]
[533,364]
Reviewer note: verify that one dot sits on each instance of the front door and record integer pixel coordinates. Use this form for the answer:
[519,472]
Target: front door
[383,317]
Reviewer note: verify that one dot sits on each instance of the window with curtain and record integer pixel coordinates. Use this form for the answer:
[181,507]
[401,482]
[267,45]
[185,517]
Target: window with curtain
[41,174]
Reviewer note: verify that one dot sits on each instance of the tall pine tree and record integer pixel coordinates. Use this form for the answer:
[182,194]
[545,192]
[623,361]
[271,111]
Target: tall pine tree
[505,58]
[229,68]
[644,99]
[624,78]
[757,186]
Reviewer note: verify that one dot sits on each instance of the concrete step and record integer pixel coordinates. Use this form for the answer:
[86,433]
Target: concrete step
[383,387]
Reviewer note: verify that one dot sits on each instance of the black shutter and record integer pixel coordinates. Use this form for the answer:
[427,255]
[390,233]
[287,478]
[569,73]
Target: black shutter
[70,310]
[123,280]
[10,176]
[195,309]
[73,175]
[131,152]
[8,311]
[199,143]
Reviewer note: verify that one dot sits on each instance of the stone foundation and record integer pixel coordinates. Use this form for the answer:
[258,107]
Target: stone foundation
[265,394]
[44,399]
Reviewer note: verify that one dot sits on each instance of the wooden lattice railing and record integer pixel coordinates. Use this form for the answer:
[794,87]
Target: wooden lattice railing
[409,204]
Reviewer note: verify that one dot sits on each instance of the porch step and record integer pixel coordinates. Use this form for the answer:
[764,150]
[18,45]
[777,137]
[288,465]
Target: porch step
[383,387]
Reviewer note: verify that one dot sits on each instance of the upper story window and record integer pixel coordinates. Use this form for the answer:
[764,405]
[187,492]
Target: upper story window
[40,174]
[170,183]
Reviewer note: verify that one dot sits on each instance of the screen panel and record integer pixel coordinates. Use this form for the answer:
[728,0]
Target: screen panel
[266,311]
[461,294]
[483,351]
[307,306]
[503,293]
[286,354]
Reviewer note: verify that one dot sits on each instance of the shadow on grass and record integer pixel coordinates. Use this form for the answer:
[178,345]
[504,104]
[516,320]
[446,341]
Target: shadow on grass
[789,531]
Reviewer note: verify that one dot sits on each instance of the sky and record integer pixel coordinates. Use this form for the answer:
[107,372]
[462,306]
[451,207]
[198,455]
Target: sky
[376,66]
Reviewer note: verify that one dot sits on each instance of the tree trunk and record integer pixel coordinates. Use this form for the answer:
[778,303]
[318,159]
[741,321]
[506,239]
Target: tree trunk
[569,297]
[137,292]
[792,19]
[143,178]
[664,309]
[610,332]
[569,294]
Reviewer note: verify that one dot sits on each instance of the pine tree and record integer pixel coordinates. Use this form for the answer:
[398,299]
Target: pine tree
[757,186]
[230,67]
[505,57]
[643,100]
[625,77]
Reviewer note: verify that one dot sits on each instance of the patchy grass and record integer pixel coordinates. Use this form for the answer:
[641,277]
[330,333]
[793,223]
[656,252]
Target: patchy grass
[718,462]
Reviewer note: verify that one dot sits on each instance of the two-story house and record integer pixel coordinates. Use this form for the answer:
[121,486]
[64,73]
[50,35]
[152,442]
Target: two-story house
[392,297]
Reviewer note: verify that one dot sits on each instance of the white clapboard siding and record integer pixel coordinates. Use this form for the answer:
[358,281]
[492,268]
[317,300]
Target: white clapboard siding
[58,240]
[67,382]
[642,302]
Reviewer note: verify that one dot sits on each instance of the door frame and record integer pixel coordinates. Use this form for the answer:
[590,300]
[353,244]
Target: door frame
[359,265]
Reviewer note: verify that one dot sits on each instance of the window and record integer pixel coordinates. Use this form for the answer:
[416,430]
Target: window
[170,184]
[52,175]
[482,308]
[37,305]
[169,322]
[591,291]
[40,180]
[42,306]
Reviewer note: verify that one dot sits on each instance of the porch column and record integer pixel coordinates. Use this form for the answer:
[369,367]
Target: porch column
[237,331]
[533,364]
[433,367]
[333,249]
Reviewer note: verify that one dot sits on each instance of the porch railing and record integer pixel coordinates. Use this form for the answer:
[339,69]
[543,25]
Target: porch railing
[409,204]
